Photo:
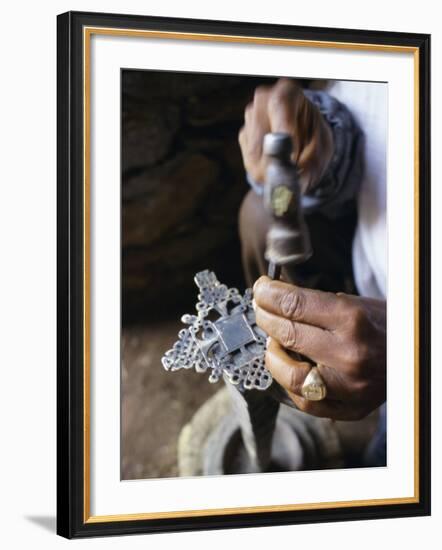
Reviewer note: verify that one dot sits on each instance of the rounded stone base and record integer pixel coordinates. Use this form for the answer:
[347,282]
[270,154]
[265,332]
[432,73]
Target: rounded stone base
[211,443]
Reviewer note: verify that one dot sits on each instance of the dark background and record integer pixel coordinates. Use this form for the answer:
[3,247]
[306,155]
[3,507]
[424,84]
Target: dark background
[182,185]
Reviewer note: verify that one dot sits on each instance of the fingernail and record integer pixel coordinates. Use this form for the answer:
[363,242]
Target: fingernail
[254,304]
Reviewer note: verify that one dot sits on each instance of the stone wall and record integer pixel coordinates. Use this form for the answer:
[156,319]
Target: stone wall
[182,185]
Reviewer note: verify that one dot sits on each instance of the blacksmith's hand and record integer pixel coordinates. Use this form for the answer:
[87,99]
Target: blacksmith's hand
[344,334]
[284,108]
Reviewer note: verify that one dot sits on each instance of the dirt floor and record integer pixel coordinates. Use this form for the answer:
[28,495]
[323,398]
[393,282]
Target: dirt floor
[156,404]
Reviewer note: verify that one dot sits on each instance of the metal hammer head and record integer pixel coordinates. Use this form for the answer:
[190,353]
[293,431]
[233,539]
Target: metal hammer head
[279,145]
[288,239]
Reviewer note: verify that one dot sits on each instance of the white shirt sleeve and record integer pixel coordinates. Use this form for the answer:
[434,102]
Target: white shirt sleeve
[368,102]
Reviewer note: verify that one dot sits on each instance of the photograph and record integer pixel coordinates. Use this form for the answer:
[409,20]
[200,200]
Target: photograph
[221,220]
[243,274]
[254,261]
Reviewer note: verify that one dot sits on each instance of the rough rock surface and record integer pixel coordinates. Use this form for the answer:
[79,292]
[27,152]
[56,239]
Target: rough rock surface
[182,185]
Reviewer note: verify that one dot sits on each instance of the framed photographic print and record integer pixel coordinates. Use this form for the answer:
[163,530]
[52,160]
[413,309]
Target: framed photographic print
[243,274]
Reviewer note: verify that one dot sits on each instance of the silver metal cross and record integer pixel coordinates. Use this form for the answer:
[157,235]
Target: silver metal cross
[223,337]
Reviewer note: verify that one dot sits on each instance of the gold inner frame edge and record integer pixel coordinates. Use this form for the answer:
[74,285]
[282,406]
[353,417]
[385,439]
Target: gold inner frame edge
[87,33]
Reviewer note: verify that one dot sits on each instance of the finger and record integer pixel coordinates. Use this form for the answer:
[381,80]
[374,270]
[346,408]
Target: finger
[251,157]
[242,138]
[261,96]
[248,113]
[328,408]
[291,372]
[249,153]
[379,306]
[290,111]
[281,106]
[315,343]
[258,124]
[314,307]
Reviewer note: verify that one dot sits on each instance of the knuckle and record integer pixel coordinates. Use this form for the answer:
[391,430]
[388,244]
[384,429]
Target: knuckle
[357,357]
[306,406]
[248,107]
[350,309]
[261,92]
[248,112]
[363,354]
[357,389]
[286,87]
[295,382]
[357,320]
[362,387]
[241,136]
[285,95]
[282,102]
[289,337]
[300,403]
[341,305]
[277,98]
[292,305]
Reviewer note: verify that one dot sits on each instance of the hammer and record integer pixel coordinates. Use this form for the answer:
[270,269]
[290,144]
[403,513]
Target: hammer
[288,239]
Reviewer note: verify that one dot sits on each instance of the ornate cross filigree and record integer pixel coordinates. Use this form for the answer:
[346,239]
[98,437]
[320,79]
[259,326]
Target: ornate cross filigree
[223,337]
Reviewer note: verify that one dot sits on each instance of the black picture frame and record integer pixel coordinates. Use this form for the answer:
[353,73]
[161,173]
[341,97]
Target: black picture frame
[71,518]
